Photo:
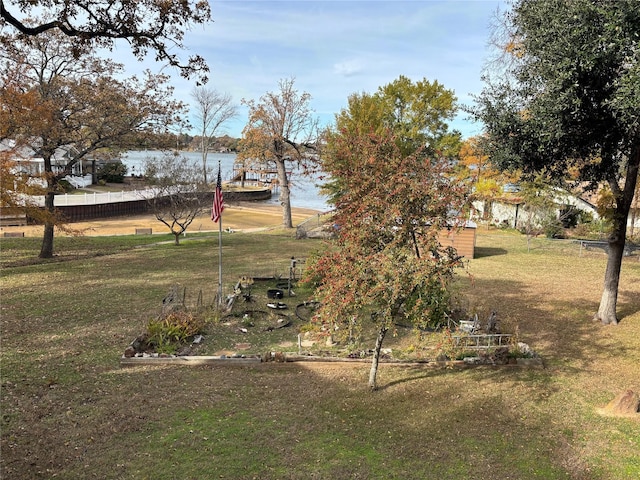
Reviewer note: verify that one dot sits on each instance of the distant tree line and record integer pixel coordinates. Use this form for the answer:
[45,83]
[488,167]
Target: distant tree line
[183,141]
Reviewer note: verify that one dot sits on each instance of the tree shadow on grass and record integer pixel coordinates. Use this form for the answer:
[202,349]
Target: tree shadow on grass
[628,304]
[413,374]
[481,252]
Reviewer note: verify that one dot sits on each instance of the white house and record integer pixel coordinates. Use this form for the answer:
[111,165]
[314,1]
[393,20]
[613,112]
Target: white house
[511,210]
[27,162]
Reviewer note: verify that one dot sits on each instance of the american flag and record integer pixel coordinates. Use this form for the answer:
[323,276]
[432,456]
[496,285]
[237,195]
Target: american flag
[218,203]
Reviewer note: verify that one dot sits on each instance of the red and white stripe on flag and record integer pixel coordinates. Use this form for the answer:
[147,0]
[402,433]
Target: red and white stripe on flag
[218,201]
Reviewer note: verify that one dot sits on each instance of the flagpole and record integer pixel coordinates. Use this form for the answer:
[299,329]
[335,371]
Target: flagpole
[216,216]
[220,261]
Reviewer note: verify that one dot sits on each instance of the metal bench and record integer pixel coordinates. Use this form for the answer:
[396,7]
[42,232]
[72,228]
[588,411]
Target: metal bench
[629,248]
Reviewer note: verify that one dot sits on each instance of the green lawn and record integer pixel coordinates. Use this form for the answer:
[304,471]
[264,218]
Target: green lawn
[70,411]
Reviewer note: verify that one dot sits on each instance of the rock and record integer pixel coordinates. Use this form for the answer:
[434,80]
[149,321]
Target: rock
[184,351]
[130,352]
[141,343]
[473,360]
[626,403]
[526,350]
[500,356]
[197,339]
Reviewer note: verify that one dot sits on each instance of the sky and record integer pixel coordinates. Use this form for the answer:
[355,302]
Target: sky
[333,49]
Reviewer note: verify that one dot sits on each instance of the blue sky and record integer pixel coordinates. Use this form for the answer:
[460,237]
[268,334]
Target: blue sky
[336,48]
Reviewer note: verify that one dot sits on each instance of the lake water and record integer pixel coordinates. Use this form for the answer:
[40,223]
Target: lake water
[304,190]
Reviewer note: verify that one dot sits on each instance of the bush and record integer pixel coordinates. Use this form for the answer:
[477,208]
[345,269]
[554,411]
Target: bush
[168,333]
[554,229]
[64,186]
[584,217]
[594,230]
[112,172]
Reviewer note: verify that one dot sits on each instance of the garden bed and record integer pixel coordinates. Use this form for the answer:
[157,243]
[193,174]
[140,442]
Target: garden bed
[265,321]
[224,360]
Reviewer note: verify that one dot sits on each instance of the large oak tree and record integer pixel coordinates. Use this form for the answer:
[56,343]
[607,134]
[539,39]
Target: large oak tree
[566,97]
[75,103]
[416,112]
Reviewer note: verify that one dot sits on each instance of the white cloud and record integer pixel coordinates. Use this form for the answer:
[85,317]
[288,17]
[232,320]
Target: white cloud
[337,48]
[348,68]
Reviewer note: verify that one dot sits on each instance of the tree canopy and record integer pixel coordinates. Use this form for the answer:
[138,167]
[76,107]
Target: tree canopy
[564,97]
[416,113]
[147,25]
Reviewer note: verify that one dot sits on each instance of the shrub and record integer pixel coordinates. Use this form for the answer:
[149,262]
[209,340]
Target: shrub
[446,348]
[167,333]
[584,217]
[64,186]
[554,229]
[112,172]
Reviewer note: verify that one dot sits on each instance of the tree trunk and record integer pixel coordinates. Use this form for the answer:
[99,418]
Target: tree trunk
[607,309]
[176,237]
[376,358]
[46,250]
[205,151]
[285,194]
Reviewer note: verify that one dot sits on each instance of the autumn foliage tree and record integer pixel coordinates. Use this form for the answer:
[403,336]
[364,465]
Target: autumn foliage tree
[386,264]
[283,130]
[17,190]
[16,187]
[415,111]
[418,113]
[76,103]
[475,167]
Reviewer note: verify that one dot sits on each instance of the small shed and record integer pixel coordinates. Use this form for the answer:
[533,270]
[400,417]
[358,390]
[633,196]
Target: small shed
[462,239]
